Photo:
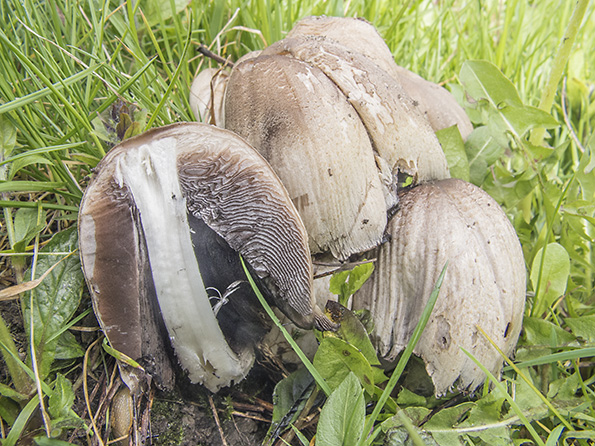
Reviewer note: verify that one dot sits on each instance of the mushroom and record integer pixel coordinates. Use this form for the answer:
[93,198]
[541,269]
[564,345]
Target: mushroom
[282,107]
[163,220]
[456,222]
[341,173]
[206,95]
[435,102]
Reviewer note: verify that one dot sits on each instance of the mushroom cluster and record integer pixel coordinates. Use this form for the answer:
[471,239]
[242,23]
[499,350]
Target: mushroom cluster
[345,127]
[329,152]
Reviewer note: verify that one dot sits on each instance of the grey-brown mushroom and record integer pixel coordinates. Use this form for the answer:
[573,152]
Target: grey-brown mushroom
[484,287]
[206,95]
[162,221]
[435,102]
[338,131]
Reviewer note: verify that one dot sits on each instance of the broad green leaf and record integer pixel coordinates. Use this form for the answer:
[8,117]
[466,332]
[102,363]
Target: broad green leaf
[488,412]
[400,436]
[441,424]
[8,139]
[352,331]
[342,417]
[585,173]
[483,149]
[483,80]
[408,398]
[11,393]
[554,436]
[289,391]
[20,163]
[346,283]
[338,283]
[454,150]
[539,332]
[554,276]
[583,327]
[525,397]
[26,227]
[56,299]
[157,10]
[523,119]
[9,409]
[62,397]
[335,359]
[68,347]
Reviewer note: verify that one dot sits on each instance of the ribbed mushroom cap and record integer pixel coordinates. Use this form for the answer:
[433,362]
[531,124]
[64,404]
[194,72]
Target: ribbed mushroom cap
[136,242]
[456,222]
[399,133]
[435,102]
[315,141]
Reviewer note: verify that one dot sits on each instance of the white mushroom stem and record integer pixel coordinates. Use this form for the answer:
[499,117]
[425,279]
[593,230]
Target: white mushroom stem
[151,175]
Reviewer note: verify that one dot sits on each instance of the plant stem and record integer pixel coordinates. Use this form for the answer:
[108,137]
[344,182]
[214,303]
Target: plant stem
[559,64]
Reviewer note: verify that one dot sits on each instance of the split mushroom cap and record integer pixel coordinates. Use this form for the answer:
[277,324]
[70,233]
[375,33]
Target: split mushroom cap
[154,196]
[484,287]
[282,106]
[436,103]
[206,95]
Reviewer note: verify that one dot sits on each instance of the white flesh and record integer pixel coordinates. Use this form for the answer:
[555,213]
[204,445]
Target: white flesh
[151,175]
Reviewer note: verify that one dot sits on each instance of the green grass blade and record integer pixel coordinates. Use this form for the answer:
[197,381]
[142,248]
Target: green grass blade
[392,382]
[509,398]
[21,422]
[319,379]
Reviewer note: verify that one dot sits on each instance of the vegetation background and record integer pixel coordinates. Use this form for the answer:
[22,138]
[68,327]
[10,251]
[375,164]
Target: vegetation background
[78,76]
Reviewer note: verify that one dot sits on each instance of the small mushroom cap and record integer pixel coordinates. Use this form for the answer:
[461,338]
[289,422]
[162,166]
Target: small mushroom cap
[435,102]
[227,185]
[206,95]
[314,140]
[456,222]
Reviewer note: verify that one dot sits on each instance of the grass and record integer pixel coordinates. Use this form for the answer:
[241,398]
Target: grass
[70,70]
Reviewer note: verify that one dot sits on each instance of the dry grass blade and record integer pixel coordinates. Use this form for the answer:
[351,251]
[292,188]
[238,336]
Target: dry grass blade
[13,292]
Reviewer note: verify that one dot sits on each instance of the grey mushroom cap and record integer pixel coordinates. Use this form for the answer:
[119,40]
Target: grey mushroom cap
[400,135]
[436,103]
[314,140]
[484,287]
[341,173]
[206,95]
[130,243]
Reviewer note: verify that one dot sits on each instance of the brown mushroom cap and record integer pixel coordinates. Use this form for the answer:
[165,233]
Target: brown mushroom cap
[314,140]
[435,102]
[135,242]
[456,222]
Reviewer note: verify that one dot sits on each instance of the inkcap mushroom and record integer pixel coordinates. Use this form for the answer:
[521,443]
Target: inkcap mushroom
[339,132]
[435,102]
[163,220]
[484,288]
